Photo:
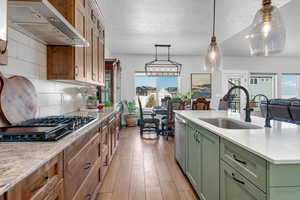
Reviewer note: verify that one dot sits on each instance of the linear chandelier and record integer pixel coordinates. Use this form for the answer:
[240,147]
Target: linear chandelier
[162,67]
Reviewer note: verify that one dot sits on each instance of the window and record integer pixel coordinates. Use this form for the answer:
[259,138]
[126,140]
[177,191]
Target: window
[290,86]
[262,84]
[151,89]
[235,101]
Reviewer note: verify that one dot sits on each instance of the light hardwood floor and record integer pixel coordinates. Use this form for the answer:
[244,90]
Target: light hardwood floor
[145,170]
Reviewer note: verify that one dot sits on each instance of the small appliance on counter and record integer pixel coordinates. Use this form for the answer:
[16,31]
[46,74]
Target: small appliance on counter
[45,129]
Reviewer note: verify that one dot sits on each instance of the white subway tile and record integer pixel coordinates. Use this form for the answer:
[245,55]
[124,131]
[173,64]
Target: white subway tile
[49,99]
[12,48]
[28,58]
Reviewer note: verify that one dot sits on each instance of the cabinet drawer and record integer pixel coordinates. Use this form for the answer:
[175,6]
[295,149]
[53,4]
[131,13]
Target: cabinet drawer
[57,193]
[88,188]
[251,166]
[42,182]
[104,133]
[78,168]
[72,150]
[234,186]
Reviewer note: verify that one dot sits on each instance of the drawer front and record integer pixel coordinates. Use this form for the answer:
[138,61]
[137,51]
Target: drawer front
[79,167]
[104,134]
[42,182]
[87,190]
[57,193]
[249,165]
[234,186]
[72,150]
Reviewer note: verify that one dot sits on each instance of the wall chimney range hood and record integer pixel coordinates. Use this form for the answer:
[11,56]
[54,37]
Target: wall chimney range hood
[39,20]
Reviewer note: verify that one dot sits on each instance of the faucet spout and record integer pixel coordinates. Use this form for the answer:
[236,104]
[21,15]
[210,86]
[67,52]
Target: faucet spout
[247,109]
[268,118]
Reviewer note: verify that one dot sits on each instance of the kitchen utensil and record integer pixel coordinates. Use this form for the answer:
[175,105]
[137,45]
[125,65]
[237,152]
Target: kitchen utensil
[18,99]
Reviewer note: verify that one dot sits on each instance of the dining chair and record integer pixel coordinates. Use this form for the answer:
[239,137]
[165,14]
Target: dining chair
[201,104]
[147,125]
[168,122]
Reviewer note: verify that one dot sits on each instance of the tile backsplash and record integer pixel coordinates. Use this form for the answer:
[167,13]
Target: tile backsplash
[27,57]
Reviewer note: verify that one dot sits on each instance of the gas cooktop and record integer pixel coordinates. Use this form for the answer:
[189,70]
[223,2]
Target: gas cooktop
[43,129]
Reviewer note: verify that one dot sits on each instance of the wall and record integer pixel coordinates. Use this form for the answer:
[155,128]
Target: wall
[28,58]
[194,64]
[132,63]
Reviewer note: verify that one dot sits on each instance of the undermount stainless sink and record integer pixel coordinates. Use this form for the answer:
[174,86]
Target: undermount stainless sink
[229,123]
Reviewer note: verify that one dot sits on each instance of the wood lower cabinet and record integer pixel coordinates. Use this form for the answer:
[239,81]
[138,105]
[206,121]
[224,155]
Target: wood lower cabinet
[105,142]
[45,183]
[80,166]
[91,183]
[83,64]
[76,173]
[113,138]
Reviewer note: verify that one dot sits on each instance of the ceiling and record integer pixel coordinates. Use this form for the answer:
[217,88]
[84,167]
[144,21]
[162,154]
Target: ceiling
[134,26]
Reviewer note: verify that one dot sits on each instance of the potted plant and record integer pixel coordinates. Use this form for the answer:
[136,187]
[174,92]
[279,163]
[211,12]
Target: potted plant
[186,97]
[109,104]
[131,116]
[92,102]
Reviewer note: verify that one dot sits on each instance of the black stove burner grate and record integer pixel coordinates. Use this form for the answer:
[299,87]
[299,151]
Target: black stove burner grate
[43,129]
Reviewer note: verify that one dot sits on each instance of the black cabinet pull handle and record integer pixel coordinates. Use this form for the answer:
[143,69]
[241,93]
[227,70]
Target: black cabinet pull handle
[87,165]
[237,180]
[88,197]
[238,160]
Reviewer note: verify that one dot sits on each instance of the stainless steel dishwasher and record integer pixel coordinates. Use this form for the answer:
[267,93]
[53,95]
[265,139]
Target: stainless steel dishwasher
[180,141]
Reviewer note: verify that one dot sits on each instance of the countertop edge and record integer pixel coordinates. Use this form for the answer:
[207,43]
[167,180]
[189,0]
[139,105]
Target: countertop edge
[91,125]
[267,158]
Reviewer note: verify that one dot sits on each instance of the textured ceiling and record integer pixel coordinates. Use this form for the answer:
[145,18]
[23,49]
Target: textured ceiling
[134,26]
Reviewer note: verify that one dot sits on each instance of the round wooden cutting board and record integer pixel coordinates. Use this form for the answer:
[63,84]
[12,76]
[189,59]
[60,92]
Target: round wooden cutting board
[18,99]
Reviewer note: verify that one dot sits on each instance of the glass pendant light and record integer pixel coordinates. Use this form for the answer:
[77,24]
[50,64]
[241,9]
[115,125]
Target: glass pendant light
[213,58]
[267,35]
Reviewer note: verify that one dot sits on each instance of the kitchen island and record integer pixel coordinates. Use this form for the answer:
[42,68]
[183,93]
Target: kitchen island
[251,162]
[29,170]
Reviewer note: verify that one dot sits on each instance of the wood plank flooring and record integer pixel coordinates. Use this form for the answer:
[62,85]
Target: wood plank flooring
[145,170]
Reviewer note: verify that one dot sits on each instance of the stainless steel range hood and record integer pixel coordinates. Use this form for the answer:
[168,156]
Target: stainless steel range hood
[40,20]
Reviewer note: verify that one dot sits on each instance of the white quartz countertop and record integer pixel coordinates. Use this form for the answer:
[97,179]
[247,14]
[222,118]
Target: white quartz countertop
[20,159]
[278,145]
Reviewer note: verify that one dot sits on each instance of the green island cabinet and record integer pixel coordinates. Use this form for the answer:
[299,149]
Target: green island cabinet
[221,170]
[203,161]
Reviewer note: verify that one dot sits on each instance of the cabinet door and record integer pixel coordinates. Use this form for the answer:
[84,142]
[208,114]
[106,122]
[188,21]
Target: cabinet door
[2,197]
[235,187]
[194,157]
[95,69]
[210,165]
[80,26]
[89,50]
[101,58]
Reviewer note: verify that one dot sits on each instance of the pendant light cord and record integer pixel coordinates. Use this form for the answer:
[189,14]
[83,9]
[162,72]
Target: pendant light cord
[214,18]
